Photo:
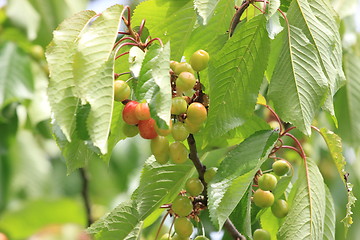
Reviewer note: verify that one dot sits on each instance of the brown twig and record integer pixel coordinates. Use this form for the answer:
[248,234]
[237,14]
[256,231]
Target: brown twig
[228,225]
[85,196]
[236,18]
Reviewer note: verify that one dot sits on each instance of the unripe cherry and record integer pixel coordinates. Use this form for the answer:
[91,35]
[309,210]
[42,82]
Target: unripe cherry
[182,67]
[263,199]
[159,145]
[147,128]
[182,206]
[163,132]
[121,90]
[196,113]
[280,208]
[281,167]
[267,182]
[173,65]
[179,131]
[261,234]
[183,227]
[178,105]
[185,81]
[128,113]
[210,174]
[194,186]
[201,238]
[142,111]
[130,130]
[199,60]
[178,152]
[192,127]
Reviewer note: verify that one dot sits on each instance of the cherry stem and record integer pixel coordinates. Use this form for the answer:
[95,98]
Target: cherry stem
[123,39]
[124,33]
[85,195]
[117,75]
[288,130]
[276,116]
[141,27]
[316,129]
[161,224]
[263,12]
[121,55]
[155,39]
[292,148]
[303,155]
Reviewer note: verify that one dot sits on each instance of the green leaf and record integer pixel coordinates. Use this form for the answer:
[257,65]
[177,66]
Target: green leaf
[283,184]
[47,212]
[136,57]
[159,184]
[285,5]
[169,20]
[272,8]
[330,219]
[16,80]
[93,72]
[236,173]
[273,26]
[77,152]
[305,219]
[318,22]
[154,84]
[298,85]
[204,9]
[118,224]
[270,223]
[236,73]
[28,18]
[348,101]
[60,54]
[334,144]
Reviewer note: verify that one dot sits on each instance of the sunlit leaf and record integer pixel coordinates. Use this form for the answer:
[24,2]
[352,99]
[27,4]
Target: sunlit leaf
[236,173]
[204,9]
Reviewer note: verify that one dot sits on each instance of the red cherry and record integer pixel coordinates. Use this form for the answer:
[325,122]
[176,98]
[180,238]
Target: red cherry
[128,114]
[147,128]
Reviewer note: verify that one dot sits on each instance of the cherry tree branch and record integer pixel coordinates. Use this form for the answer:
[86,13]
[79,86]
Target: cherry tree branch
[228,225]
[85,196]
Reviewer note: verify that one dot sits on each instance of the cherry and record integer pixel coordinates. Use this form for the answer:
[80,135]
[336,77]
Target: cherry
[194,186]
[185,81]
[281,167]
[263,199]
[142,111]
[192,127]
[182,206]
[209,174]
[178,237]
[159,145]
[130,130]
[147,128]
[280,208]
[121,90]
[178,105]
[173,65]
[179,131]
[201,238]
[163,132]
[267,182]
[178,152]
[128,113]
[261,234]
[182,67]
[196,113]
[199,60]
[183,227]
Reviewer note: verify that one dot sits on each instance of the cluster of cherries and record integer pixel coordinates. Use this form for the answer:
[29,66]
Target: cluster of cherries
[187,112]
[263,196]
[187,206]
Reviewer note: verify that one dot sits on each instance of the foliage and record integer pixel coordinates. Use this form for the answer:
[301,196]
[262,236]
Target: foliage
[285,67]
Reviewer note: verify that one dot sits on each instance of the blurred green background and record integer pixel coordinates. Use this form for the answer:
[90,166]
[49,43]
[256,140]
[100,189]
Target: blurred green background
[38,200]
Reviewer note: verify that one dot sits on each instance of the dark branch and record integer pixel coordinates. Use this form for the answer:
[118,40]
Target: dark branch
[236,18]
[85,195]
[232,230]
[229,226]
